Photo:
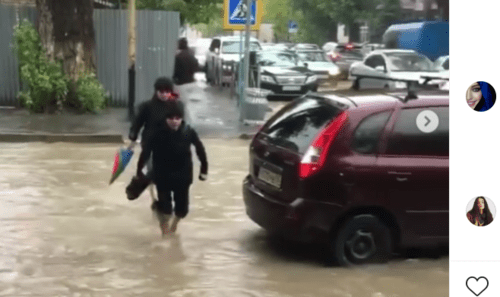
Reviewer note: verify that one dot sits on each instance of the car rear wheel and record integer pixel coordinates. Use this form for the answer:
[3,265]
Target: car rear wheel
[362,239]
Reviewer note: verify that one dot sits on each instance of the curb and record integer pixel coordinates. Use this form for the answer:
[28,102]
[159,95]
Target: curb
[74,138]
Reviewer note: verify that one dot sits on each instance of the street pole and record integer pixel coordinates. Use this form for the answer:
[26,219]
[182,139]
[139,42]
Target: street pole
[240,71]
[247,51]
[131,55]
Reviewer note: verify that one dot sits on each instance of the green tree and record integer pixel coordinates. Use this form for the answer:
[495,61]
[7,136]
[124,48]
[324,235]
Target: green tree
[279,13]
[213,28]
[326,14]
[191,11]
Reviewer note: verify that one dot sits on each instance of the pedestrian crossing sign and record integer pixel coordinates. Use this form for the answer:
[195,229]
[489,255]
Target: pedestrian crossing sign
[235,14]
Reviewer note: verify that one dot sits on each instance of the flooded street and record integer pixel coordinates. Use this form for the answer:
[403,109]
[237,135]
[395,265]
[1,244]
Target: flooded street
[66,232]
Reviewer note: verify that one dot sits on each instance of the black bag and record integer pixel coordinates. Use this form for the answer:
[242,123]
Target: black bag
[136,186]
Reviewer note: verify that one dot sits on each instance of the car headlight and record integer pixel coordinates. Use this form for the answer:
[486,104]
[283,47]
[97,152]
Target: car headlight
[311,79]
[334,71]
[267,78]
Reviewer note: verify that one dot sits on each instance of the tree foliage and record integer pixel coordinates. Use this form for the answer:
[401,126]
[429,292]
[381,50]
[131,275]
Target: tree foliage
[191,11]
[323,16]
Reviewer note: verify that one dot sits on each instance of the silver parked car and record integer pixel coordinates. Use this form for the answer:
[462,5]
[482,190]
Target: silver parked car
[389,65]
[327,72]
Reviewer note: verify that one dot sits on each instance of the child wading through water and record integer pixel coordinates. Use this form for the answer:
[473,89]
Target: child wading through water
[150,115]
[173,166]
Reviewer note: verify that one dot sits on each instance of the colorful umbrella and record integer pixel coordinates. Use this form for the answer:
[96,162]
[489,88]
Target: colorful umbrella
[122,158]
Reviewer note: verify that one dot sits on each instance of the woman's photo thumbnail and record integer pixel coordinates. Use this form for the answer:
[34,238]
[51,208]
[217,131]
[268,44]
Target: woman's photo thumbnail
[481,211]
[481,96]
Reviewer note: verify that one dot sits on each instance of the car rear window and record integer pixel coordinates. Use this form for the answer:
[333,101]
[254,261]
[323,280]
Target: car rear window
[367,134]
[295,126]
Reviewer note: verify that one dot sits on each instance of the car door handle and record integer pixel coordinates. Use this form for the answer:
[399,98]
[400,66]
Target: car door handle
[398,173]
[401,179]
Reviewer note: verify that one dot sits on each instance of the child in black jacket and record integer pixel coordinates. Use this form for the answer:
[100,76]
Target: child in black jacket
[173,166]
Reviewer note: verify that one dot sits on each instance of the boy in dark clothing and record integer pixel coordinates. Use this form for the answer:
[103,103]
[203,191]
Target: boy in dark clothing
[173,165]
[150,114]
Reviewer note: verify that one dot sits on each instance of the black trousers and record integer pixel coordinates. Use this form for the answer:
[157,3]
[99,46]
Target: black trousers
[180,197]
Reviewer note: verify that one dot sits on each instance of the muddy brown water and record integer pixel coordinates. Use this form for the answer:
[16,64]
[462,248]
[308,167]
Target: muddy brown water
[66,232]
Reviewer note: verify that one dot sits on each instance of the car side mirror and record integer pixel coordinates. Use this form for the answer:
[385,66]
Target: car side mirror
[306,65]
[380,68]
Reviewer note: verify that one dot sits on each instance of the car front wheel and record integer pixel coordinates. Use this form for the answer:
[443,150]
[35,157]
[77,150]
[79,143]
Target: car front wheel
[362,239]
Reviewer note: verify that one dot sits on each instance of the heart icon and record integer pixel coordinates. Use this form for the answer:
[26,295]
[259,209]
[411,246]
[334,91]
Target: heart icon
[477,285]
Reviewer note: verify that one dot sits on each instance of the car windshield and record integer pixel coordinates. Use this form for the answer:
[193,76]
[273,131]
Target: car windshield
[278,59]
[408,62]
[233,47]
[313,56]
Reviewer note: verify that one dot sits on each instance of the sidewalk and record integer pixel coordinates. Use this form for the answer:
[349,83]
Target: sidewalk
[18,125]
[209,110]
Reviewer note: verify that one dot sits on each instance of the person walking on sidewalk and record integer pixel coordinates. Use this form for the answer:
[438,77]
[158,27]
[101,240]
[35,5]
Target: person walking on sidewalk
[173,166]
[186,65]
[150,115]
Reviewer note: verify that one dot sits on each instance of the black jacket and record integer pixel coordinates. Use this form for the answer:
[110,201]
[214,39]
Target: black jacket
[172,160]
[185,67]
[151,114]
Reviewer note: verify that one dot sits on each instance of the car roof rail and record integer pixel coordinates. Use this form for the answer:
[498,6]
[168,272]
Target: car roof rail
[412,85]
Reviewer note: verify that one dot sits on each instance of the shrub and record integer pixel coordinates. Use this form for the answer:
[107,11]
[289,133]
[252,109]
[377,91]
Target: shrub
[46,82]
[90,93]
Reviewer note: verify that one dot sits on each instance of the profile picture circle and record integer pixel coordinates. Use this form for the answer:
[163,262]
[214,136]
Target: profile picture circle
[480,96]
[481,211]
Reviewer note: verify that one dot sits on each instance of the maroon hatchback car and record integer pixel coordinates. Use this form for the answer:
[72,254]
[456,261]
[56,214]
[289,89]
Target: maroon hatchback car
[363,174]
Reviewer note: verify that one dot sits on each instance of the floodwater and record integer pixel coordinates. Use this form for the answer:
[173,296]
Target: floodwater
[66,232]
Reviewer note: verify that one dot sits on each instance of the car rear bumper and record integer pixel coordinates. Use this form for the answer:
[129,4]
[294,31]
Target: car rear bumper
[301,220]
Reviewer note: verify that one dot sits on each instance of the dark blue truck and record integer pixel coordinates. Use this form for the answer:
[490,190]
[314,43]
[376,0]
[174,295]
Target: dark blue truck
[430,38]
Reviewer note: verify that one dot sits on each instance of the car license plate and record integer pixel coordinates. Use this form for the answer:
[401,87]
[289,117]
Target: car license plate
[269,177]
[291,88]
[322,76]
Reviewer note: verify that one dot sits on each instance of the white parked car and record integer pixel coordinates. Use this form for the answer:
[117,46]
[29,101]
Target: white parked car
[330,46]
[388,65]
[442,64]
[223,51]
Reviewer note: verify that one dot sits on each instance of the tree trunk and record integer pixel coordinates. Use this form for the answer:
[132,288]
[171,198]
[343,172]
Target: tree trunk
[66,29]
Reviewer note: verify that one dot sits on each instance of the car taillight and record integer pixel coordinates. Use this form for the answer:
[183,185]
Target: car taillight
[316,154]
[349,46]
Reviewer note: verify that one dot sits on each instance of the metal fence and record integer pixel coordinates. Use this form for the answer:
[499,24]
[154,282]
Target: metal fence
[157,34]
[9,67]
[111,37]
